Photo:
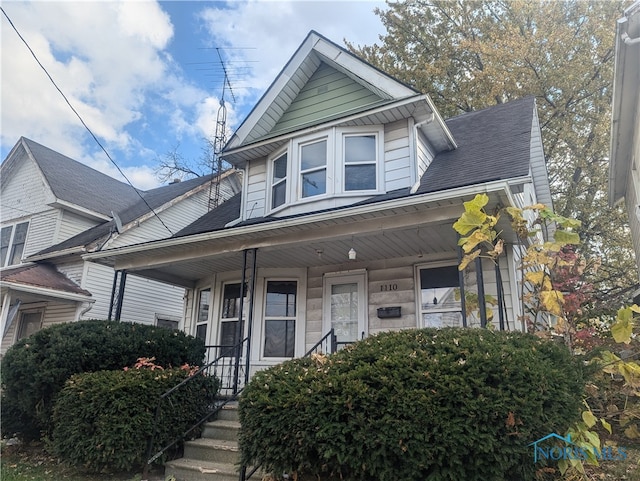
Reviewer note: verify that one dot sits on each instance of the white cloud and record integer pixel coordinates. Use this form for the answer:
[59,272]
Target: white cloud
[104,56]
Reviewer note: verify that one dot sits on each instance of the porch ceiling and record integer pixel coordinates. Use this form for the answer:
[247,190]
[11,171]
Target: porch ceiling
[420,229]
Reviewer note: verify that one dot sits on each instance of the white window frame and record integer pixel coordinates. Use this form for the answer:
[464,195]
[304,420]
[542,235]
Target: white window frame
[196,314]
[32,310]
[296,317]
[341,134]
[419,310]
[286,180]
[329,166]
[11,246]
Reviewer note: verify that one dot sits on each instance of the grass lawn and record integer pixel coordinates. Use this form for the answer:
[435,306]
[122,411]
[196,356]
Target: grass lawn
[32,463]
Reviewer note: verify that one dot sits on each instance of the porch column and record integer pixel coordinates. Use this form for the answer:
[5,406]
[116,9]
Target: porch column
[463,303]
[482,305]
[117,299]
[500,296]
[252,297]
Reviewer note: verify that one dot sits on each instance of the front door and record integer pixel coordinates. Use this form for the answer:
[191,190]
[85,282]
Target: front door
[345,306]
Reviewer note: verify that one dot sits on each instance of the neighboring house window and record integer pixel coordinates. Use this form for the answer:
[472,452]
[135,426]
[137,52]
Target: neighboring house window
[280,319]
[204,301]
[30,323]
[12,241]
[360,162]
[279,181]
[231,315]
[440,297]
[313,168]
[167,322]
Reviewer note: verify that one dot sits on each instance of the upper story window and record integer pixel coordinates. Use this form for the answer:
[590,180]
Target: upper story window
[338,161]
[279,181]
[12,242]
[360,161]
[313,168]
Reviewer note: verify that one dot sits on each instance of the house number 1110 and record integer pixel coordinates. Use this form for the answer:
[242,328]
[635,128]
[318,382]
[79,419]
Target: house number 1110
[388,287]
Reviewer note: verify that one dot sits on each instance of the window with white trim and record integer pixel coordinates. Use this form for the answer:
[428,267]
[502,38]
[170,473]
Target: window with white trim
[231,314]
[12,242]
[204,301]
[313,168]
[280,313]
[440,304]
[360,162]
[279,180]
[30,323]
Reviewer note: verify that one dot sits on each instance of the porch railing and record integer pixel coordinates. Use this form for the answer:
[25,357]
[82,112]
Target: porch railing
[232,374]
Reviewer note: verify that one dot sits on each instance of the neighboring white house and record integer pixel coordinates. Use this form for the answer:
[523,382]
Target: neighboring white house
[54,210]
[351,183]
[624,170]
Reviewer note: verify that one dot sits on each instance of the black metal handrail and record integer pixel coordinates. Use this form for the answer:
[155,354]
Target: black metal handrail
[327,345]
[227,368]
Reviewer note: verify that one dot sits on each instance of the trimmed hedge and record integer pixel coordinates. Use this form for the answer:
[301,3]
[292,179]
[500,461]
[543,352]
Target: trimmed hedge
[35,369]
[428,404]
[102,419]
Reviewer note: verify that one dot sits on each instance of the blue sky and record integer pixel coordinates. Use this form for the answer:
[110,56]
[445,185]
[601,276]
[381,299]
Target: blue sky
[145,75]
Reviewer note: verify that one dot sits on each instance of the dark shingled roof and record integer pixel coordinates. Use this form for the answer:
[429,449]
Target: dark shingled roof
[42,275]
[493,144]
[79,184]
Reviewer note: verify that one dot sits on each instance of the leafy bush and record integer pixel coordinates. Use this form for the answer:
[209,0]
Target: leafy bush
[34,369]
[427,404]
[102,419]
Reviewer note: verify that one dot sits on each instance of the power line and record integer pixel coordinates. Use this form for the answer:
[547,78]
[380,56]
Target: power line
[83,122]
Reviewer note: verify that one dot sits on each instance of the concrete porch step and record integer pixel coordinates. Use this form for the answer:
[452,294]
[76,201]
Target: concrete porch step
[216,450]
[221,429]
[185,469]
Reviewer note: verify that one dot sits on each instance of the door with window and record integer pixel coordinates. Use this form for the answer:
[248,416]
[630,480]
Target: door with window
[345,306]
[30,323]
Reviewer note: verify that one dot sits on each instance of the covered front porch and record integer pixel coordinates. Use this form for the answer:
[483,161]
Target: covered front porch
[283,284]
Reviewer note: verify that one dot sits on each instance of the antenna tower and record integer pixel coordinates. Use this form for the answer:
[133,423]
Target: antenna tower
[219,139]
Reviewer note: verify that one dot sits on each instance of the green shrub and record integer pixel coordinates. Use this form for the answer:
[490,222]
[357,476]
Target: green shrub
[102,419]
[428,404]
[35,369]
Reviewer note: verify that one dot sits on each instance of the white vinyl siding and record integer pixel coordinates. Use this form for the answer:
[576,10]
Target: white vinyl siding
[255,193]
[397,157]
[42,229]
[143,299]
[174,217]
[72,224]
[424,154]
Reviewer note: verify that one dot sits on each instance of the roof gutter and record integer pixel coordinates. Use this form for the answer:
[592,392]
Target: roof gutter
[42,291]
[468,191]
[56,254]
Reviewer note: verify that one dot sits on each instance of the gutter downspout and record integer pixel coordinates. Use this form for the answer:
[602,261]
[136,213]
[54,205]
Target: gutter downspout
[416,127]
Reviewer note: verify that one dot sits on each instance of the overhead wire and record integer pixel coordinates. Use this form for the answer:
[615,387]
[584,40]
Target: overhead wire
[82,121]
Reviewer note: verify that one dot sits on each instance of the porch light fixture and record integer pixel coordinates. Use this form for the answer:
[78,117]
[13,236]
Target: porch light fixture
[352,254]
